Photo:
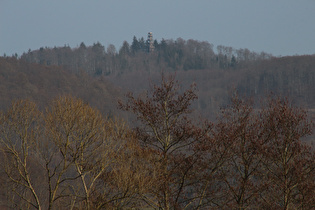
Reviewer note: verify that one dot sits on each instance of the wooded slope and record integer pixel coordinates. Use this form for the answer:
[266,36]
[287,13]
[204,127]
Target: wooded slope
[39,83]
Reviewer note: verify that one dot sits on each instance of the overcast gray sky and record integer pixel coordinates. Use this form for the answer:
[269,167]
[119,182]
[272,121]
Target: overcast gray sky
[280,27]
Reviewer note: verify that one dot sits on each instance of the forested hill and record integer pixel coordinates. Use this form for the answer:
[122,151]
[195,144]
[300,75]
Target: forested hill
[216,71]
[41,84]
[82,72]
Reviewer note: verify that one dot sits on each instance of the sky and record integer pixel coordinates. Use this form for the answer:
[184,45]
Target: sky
[281,27]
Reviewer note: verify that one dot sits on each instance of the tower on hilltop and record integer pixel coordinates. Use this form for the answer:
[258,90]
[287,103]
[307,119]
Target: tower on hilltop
[150,41]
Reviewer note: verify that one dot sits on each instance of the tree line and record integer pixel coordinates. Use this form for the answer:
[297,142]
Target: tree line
[168,54]
[70,156]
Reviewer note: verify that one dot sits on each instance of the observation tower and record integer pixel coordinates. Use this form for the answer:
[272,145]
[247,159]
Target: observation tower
[150,42]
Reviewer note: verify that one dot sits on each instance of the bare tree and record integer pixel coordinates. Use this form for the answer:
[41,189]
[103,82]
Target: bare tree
[240,127]
[19,133]
[167,129]
[289,163]
[78,132]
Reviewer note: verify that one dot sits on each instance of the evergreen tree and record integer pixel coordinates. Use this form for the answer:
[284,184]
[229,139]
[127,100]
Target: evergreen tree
[135,46]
